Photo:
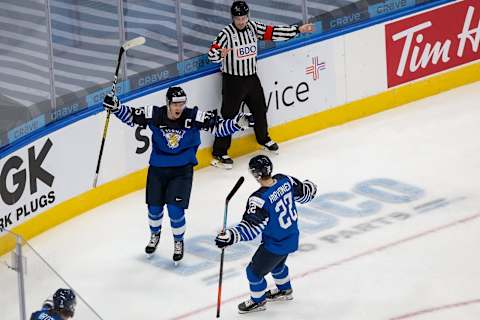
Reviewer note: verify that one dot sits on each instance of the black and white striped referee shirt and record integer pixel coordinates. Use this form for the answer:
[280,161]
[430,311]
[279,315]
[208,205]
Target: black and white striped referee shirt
[242,60]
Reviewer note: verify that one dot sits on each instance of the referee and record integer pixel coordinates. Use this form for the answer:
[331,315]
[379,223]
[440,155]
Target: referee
[236,48]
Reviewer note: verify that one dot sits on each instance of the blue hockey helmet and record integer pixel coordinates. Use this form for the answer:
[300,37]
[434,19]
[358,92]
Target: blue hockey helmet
[260,167]
[239,8]
[64,301]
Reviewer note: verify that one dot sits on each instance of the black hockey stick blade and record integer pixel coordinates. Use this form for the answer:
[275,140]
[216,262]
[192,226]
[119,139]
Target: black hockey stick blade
[235,188]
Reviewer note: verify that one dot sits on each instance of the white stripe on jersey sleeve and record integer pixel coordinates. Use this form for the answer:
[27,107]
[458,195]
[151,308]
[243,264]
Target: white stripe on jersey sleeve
[226,127]
[247,232]
[125,114]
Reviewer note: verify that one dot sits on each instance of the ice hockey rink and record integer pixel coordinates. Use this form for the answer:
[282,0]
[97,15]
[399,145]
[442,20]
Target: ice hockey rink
[393,233]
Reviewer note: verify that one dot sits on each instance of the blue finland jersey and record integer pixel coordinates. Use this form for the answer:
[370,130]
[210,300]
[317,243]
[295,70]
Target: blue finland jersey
[43,315]
[175,142]
[272,212]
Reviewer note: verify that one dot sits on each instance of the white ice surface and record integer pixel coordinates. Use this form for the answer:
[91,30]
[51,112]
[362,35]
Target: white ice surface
[409,263]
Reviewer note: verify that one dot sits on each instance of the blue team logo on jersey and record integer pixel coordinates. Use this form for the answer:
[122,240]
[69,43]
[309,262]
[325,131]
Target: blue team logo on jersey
[173,137]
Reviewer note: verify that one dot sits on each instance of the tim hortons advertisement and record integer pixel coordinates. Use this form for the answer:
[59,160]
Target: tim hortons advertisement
[433,41]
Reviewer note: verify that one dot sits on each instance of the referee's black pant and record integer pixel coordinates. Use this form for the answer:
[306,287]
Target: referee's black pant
[235,90]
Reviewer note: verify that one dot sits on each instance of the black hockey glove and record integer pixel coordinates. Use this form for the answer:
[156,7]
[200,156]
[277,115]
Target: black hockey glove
[309,192]
[244,120]
[311,187]
[210,120]
[110,102]
[225,239]
[211,117]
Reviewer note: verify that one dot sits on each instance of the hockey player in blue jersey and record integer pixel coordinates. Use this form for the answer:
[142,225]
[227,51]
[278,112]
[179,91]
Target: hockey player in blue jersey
[60,307]
[175,141]
[270,211]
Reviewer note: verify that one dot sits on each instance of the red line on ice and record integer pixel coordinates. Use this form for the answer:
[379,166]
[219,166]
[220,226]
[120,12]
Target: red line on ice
[434,309]
[351,258]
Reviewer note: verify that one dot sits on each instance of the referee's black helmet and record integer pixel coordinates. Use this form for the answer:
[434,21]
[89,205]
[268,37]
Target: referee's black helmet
[239,8]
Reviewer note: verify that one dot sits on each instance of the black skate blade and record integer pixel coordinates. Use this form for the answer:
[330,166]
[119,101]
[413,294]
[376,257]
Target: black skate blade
[282,298]
[262,308]
[218,164]
[270,152]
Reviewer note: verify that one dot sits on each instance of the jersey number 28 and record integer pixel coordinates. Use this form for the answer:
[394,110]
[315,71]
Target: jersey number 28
[285,210]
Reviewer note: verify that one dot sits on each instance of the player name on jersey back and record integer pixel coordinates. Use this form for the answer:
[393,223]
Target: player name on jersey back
[279,192]
[43,316]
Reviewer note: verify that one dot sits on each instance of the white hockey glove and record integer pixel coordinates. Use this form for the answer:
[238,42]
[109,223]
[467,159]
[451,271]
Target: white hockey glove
[110,102]
[244,120]
[225,239]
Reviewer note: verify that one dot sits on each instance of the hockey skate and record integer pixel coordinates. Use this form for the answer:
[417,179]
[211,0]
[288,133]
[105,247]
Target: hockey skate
[279,295]
[271,146]
[251,306]
[152,245]
[224,162]
[178,251]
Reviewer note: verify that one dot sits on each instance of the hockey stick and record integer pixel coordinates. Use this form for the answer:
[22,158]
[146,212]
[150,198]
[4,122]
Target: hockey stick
[227,200]
[127,45]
